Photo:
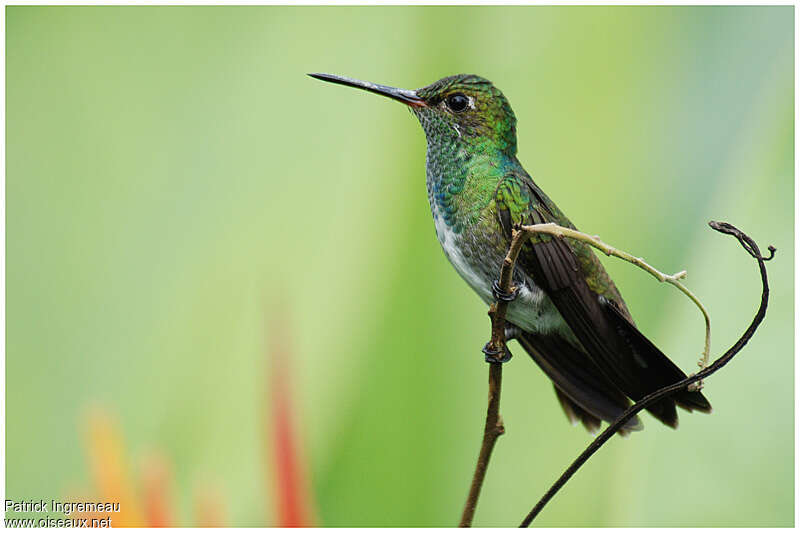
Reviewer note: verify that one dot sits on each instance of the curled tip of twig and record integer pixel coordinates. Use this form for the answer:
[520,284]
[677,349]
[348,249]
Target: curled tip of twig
[724,227]
[746,242]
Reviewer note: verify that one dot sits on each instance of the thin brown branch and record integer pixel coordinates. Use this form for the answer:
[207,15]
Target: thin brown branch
[496,348]
[752,248]
[494,428]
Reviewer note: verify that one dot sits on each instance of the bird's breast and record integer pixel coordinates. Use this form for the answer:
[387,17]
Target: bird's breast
[477,259]
[471,237]
[461,251]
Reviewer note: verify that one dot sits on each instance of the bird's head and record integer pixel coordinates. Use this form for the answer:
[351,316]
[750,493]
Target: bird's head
[465,107]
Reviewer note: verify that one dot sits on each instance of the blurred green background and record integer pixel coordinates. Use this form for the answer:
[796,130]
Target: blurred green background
[176,185]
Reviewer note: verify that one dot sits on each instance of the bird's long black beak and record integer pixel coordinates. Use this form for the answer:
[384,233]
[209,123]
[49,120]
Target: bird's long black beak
[409,98]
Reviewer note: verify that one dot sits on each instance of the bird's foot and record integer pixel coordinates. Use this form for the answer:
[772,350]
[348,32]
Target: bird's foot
[500,295]
[496,356]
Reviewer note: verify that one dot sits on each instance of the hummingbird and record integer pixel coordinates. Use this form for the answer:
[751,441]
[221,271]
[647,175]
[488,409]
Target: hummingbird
[564,309]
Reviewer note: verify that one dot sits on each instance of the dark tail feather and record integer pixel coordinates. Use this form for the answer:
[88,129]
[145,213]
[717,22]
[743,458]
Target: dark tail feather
[576,413]
[655,369]
[584,392]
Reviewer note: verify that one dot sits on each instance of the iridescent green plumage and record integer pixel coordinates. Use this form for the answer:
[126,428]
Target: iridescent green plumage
[567,313]
[528,203]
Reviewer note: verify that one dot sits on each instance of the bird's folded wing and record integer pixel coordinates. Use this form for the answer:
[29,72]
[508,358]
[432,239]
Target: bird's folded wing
[619,350]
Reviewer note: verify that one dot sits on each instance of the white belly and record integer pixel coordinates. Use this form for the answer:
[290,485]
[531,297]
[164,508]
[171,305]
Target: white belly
[532,310]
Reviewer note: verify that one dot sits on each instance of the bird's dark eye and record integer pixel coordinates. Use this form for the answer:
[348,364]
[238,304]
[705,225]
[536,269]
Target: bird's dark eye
[457,102]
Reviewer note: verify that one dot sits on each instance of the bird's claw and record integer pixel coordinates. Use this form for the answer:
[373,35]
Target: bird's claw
[491,354]
[501,295]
